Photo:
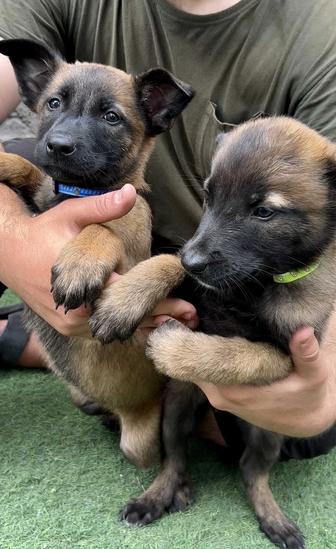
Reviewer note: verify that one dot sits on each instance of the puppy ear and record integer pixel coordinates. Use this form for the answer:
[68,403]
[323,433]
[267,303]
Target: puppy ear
[162,97]
[34,66]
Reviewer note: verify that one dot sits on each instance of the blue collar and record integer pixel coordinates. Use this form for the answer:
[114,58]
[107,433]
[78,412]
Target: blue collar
[72,190]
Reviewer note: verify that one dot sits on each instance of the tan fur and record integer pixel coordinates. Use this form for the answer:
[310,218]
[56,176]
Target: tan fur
[236,360]
[123,305]
[277,200]
[139,432]
[19,173]
[194,356]
[118,376]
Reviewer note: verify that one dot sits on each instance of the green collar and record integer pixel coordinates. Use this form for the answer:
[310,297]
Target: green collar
[292,276]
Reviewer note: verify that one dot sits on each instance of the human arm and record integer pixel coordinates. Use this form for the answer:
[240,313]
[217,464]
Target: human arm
[9,92]
[303,404]
[30,246]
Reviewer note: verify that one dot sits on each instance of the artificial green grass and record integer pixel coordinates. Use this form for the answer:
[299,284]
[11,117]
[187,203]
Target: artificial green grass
[64,480]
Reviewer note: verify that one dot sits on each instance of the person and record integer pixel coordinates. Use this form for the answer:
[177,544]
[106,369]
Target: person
[244,58]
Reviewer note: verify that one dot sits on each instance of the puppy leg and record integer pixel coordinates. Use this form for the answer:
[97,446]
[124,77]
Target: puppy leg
[140,433]
[84,266]
[171,490]
[121,308]
[84,403]
[262,452]
[193,356]
[19,173]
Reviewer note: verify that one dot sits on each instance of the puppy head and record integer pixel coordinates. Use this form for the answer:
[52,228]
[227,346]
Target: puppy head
[269,204]
[96,123]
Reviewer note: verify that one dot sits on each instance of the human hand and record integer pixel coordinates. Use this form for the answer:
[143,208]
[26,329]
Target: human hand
[29,247]
[301,405]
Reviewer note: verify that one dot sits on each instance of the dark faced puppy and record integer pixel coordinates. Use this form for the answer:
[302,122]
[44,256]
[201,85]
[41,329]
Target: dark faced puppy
[95,123]
[96,129]
[265,251]
[268,212]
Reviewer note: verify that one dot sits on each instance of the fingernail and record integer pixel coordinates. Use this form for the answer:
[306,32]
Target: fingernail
[119,196]
[187,316]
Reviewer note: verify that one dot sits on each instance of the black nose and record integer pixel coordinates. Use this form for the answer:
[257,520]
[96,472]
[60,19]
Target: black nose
[61,144]
[194,262]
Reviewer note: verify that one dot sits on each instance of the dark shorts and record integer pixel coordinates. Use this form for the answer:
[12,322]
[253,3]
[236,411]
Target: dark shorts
[292,448]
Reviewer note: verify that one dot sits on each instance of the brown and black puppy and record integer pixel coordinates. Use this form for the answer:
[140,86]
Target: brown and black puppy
[96,130]
[269,210]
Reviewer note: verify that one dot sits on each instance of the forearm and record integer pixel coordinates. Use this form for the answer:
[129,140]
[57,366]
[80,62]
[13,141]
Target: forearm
[9,92]
[13,232]
[302,405]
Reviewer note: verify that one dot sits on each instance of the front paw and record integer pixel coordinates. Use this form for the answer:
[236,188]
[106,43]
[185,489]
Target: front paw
[78,281]
[169,347]
[117,313]
[146,509]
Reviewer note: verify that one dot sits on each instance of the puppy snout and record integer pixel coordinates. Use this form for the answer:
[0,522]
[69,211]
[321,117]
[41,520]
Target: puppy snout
[60,144]
[194,262]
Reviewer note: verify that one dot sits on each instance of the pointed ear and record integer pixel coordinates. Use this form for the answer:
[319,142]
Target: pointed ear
[34,66]
[162,98]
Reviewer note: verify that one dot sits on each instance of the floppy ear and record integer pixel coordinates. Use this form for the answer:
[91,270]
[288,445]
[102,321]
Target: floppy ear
[162,97]
[34,66]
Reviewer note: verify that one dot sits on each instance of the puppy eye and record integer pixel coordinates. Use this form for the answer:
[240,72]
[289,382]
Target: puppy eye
[263,212]
[205,194]
[112,117]
[54,103]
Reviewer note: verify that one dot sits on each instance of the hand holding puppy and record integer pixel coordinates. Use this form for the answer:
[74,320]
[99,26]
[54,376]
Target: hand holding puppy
[303,404]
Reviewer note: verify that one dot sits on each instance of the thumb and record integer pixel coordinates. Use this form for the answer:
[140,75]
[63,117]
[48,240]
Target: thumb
[305,351]
[97,209]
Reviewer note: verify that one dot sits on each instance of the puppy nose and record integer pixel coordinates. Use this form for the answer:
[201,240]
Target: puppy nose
[194,262]
[61,144]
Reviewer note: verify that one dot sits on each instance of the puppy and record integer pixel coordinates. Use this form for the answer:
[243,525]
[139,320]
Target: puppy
[264,254]
[97,127]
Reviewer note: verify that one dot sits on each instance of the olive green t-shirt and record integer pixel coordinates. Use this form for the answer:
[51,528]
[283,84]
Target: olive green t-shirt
[271,56]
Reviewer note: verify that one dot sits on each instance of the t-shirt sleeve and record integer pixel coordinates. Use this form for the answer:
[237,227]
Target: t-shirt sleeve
[311,66]
[40,20]
[317,106]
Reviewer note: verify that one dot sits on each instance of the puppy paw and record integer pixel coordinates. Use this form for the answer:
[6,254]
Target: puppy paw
[283,533]
[146,509]
[118,312]
[78,281]
[169,347]
[142,511]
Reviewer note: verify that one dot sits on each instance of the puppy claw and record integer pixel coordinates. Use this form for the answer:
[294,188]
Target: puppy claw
[145,509]
[78,283]
[141,512]
[285,534]
[105,332]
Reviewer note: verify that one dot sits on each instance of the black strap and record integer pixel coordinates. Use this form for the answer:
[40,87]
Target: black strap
[13,340]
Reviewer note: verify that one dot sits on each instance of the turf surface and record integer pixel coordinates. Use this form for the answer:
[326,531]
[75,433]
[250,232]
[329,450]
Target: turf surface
[64,480]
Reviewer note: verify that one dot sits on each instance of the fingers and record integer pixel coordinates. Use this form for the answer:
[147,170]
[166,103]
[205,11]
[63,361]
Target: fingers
[176,308]
[170,308]
[74,323]
[305,352]
[97,209]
